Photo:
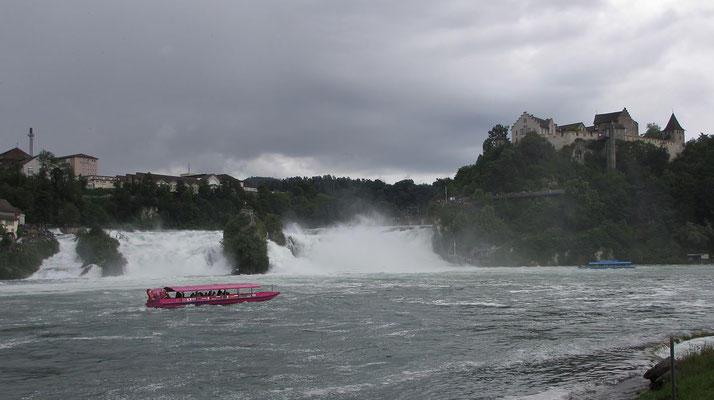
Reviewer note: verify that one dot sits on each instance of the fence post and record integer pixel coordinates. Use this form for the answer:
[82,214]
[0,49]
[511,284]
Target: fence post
[671,358]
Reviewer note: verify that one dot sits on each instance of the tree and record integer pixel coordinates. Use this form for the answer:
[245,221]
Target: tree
[274,228]
[98,248]
[690,178]
[653,131]
[47,162]
[497,136]
[68,214]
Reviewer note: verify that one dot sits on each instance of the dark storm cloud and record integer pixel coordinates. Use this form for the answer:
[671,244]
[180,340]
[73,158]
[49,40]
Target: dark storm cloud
[386,89]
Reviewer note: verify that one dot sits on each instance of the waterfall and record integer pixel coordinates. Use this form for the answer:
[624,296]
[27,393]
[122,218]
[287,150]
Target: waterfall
[150,254]
[357,248]
[353,248]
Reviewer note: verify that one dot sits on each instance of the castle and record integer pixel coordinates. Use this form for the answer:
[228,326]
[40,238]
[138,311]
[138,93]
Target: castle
[620,122]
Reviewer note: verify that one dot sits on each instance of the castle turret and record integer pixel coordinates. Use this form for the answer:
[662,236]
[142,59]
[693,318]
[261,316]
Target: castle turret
[673,131]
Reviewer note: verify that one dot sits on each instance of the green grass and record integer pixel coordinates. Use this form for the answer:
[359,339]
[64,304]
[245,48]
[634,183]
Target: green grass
[694,379]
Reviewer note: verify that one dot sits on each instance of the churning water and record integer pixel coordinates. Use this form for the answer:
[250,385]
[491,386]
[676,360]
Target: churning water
[365,312]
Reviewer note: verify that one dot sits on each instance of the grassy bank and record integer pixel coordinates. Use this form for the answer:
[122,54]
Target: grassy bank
[694,379]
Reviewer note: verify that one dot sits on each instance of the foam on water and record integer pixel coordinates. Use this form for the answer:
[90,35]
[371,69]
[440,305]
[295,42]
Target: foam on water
[686,347]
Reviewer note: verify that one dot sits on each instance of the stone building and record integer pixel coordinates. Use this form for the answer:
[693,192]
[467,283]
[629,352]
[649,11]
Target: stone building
[620,122]
[81,164]
[100,182]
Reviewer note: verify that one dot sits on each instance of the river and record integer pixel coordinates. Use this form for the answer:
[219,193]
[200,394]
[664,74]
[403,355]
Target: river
[364,312]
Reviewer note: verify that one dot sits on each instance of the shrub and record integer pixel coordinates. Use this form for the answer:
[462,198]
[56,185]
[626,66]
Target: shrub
[21,260]
[245,244]
[97,247]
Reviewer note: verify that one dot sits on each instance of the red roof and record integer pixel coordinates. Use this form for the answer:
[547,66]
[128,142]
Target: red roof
[218,286]
[15,155]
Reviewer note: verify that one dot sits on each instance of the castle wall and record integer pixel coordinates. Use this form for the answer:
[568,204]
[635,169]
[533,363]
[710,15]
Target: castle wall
[562,139]
[673,147]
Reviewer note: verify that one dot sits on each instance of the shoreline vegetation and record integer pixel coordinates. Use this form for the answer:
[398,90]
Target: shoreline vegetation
[528,204]
[694,376]
[22,258]
[524,204]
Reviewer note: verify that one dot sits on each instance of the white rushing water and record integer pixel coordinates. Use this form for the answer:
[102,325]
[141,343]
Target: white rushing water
[356,248]
[148,254]
[353,248]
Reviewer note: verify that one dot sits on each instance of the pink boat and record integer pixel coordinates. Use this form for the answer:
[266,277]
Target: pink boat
[218,294]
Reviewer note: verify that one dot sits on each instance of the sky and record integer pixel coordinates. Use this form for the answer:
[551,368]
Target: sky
[374,89]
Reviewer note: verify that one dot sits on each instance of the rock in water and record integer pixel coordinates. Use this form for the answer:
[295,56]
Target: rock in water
[659,374]
[655,372]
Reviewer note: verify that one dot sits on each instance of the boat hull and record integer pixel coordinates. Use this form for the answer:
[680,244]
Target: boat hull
[211,300]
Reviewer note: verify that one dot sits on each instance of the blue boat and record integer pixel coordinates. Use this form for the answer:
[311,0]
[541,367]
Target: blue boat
[608,264]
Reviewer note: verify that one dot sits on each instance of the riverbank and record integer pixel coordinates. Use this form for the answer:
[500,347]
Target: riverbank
[21,258]
[694,378]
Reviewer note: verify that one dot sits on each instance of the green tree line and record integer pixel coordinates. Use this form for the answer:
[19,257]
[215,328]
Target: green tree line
[54,196]
[648,210]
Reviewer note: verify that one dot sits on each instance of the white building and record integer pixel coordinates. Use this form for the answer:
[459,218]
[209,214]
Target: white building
[10,217]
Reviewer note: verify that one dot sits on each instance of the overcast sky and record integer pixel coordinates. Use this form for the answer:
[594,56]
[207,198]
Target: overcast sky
[374,89]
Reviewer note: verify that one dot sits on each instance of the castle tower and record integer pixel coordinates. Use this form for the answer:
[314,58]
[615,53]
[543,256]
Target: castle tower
[673,131]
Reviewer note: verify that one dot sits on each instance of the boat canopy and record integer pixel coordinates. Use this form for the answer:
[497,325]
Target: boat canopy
[218,286]
[610,262]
